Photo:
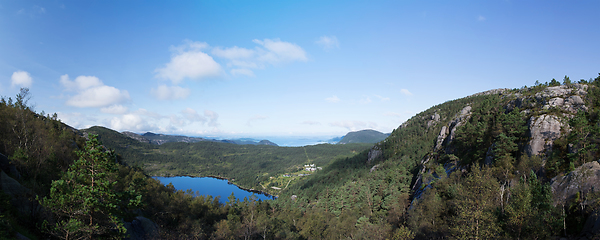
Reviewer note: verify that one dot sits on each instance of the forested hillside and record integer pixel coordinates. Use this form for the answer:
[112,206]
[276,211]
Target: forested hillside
[502,164]
[363,136]
[256,167]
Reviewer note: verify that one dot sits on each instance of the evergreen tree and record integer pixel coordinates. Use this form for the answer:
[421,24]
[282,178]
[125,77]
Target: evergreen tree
[83,202]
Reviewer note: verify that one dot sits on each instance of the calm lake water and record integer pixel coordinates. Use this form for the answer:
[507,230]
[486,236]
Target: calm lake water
[210,186]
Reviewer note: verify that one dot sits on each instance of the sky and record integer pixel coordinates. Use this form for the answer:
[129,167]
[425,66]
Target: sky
[282,68]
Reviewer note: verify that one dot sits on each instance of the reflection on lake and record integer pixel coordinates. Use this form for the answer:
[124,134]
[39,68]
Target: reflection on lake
[210,186]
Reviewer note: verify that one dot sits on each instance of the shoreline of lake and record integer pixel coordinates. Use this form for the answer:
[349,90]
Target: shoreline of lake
[229,182]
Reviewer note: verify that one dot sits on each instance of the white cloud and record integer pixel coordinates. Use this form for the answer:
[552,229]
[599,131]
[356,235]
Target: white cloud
[332,99]
[311,123]
[241,71]
[269,51]
[213,118]
[405,92]
[91,92]
[193,116]
[354,125]
[115,109]
[233,52]
[164,92]
[21,78]
[480,18]
[279,52]
[383,99]
[328,42]
[80,83]
[129,122]
[188,61]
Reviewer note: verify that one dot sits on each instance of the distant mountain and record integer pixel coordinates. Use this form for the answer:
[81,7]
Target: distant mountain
[334,140]
[363,136]
[163,138]
[160,139]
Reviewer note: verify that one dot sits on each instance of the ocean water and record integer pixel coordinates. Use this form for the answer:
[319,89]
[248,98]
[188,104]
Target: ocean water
[210,186]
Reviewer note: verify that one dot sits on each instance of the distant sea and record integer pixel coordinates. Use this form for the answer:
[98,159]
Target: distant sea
[286,141]
[299,141]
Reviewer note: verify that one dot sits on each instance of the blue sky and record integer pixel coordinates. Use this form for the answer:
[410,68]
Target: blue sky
[282,68]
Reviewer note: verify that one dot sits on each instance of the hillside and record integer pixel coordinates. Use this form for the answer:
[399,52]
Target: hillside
[432,175]
[159,139]
[250,166]
[363,136]
[501,164]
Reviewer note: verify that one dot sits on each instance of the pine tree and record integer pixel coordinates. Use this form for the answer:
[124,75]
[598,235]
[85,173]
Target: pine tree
[83,202]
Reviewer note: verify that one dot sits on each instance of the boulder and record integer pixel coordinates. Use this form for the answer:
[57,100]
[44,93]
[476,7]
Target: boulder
[543,129]
[584,179]
[18,193]
[141,228]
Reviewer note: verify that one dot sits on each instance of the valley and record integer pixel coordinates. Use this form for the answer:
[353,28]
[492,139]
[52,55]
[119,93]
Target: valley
[505,163]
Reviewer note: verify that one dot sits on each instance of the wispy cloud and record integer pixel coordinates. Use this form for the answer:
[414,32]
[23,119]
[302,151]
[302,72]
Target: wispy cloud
[255,119]
[164,92]
[383,99]
[365,100]
[354,125]
[480,18]
[332,99]
[311,123]
[328,42]
[406,92]
[268,51]
[115,109]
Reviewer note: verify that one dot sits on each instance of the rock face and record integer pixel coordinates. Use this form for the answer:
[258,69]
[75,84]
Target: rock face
[137,137]
[583,179]
[543,129]
[374,153]
[447,134]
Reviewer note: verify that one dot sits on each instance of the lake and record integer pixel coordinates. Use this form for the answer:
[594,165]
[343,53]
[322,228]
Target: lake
[210,186]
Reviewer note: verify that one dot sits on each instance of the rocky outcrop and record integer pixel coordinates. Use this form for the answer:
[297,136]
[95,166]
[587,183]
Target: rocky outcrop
[435,118]
[447,134]
[374,153]
[543,129]
[141,228]
[441,137]
[137,137]
[584,179]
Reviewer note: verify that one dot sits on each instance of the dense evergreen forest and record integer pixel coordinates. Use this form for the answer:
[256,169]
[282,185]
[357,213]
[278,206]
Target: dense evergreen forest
[487,166]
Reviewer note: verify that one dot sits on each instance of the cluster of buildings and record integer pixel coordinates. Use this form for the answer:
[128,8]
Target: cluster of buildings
[311,167]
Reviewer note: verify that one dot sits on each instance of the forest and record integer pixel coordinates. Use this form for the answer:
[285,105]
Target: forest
[463,169]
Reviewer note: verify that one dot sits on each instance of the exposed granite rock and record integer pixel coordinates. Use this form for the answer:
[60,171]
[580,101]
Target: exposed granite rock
[441,137]
[374,153]
[583,179]
[435,118]
[137,137]
[458,121]
[544,129]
